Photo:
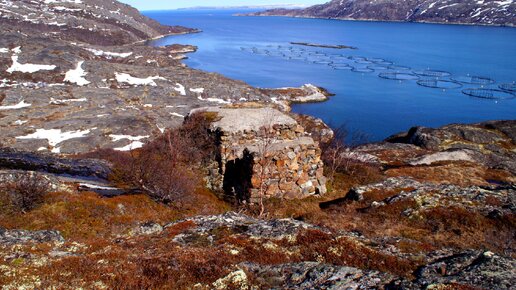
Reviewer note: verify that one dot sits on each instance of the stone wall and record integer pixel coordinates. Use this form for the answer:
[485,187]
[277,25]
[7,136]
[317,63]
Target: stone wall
[264,152]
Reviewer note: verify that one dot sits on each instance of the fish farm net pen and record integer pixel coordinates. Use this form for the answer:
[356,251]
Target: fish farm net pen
[511,87]
[474,80]
[398,76]
[433,73]
[440,84]
[491,94]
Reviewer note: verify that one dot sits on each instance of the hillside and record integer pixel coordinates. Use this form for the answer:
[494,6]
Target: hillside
[122,168]
[92,21]
[484,12]
[83,67]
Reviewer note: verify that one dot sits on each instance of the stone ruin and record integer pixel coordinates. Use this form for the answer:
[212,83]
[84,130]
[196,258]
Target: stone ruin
[263,152]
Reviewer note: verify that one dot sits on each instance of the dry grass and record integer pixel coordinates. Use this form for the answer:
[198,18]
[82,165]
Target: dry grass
[459,173]
[88,216]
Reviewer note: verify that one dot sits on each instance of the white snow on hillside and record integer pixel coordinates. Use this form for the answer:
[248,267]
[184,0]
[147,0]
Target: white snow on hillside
[197,90]
[76,76]
[135,141]
[62,102]
[108,54]
[20,105]
[27,67]
[181,89]
[128,79]
[56,136]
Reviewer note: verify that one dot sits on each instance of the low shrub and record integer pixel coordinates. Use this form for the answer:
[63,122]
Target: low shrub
[25,193]
[169,169]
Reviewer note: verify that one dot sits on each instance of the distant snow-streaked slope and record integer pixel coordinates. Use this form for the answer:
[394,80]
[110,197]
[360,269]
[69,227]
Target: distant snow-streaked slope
[484,12]
[100,22]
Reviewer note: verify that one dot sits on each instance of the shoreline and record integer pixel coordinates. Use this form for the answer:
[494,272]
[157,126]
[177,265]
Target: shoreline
[145,41]
[384,21]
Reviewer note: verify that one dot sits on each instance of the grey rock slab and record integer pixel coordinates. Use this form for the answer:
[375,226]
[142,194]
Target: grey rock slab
[18,237]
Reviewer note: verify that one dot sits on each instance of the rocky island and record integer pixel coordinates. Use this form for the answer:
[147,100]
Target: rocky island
[499,13]
[122,168]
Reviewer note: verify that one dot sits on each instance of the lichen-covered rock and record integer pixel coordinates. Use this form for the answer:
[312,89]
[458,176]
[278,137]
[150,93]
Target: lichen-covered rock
[482,269]
[313,275]
[145,229]
[18,237]
[232,222]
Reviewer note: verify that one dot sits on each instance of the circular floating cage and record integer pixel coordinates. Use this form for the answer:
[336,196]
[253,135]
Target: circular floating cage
[433,73]
[376,60]
[399,76]
[357,58]
[440,84]
[474,80]
[511,87]
[385,63]
[378,67]
[339,58]
[323,61]
[362,70]
[365,61]
[317,53]
[298,57]
[341,66]
[399,67]
[491,94]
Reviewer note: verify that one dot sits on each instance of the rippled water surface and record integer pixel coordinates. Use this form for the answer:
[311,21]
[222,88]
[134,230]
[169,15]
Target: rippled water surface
[400,75]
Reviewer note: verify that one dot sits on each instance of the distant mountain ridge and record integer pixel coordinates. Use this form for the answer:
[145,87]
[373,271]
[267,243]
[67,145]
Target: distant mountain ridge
[481,12]
[271,6]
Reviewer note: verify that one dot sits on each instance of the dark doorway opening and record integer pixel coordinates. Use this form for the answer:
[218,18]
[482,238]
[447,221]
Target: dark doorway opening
[237,178]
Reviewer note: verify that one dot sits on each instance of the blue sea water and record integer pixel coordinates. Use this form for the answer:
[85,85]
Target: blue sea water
[257,50]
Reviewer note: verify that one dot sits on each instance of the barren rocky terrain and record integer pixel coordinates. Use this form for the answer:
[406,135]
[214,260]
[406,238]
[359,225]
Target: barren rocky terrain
[103,179]
[426,209]
[69,90]
[488,12]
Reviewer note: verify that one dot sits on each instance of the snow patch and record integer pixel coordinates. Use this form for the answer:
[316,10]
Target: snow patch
[94,186]
[19,122]
[76,76]
[28,67]
[214,100]
[198,90]
[56,136]
[20,105]
[181,89]
[108,54]
[135,142]
[177,115]
[61,102]
[128,79]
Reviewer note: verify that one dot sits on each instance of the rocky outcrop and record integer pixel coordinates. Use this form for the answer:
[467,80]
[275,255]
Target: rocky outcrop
[20,160]
[482,269]
[18,237]
[307,93]
[313,275]
[264,154]
[491,143]
[450,11]
[206,227]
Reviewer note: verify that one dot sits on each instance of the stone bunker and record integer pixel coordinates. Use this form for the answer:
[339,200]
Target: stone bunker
[263,152]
